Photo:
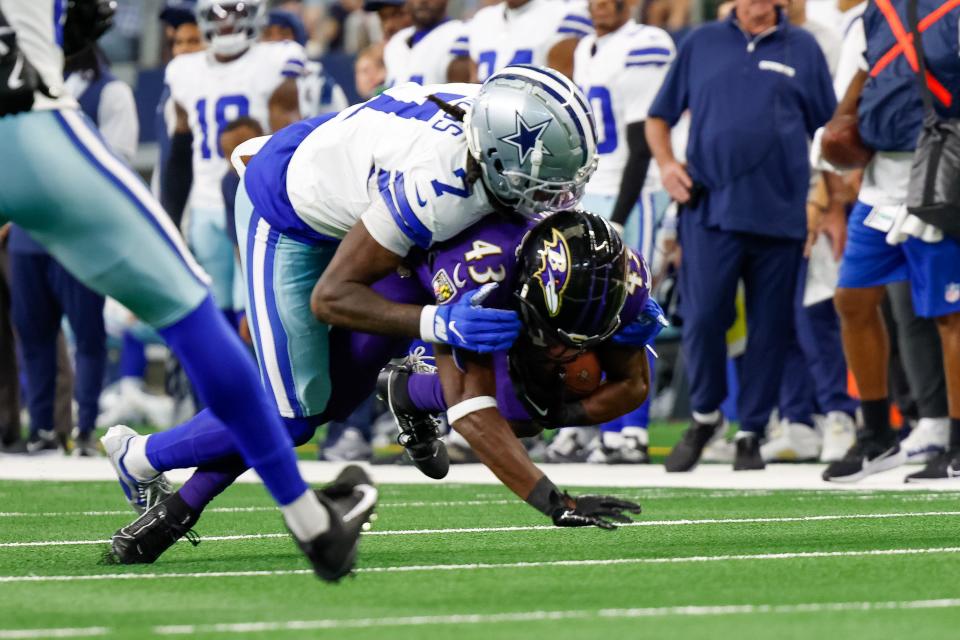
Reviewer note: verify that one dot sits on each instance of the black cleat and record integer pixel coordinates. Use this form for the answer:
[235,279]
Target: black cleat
[419,431]
[748,456]
[350,500]
[867,456]
[945,466]
[156,530]
[686,454]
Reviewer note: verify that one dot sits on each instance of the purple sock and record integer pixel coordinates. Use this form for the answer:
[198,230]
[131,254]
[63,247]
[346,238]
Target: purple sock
[207,483]
[426,393]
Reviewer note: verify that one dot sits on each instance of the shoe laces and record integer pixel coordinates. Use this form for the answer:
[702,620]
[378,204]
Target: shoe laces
[420,362]
[192,537]
[153,491]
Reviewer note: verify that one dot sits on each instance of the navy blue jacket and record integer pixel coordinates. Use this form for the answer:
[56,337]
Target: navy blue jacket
[755,101]
[891,109]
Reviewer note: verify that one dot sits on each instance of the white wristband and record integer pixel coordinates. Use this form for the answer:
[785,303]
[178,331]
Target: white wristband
[470,405]
[428,318]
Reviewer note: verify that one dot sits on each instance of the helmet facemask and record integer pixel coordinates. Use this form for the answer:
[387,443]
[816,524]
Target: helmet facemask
[229,27]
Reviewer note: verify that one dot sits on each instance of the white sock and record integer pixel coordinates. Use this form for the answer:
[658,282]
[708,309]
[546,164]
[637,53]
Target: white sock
[744,434]
[306,516]
[707,418]
[135,459]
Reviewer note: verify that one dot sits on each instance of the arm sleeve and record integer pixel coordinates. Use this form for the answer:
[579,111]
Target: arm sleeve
[851,58]
[634,173]
[118,119]
[177,176]
[674,95]
[382,227]
[461,44]
[293,57]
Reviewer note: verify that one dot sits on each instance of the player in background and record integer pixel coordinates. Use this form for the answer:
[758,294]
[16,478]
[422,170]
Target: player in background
[393,15]
[98,219]
[620,68]
[318,91]
[591,300]
[539,32]
[329,206]
[430,51]
[236,76]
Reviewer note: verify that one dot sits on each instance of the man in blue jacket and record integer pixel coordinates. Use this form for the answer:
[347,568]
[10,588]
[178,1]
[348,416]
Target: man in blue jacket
[757,89]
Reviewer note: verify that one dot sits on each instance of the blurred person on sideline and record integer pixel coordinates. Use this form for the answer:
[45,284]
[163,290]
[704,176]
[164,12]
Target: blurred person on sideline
[369,72]
[432,50]
[757,89]
[318,91]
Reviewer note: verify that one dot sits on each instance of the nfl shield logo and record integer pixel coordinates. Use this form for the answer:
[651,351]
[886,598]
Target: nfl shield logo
[953,292]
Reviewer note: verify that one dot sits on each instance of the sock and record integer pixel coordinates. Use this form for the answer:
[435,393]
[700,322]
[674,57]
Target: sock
[708,418]
[136,461]
[425,393]
[226,379]
[207,483]
[954,433]
[306,517]
[876,417]
[200,440]
[744,434]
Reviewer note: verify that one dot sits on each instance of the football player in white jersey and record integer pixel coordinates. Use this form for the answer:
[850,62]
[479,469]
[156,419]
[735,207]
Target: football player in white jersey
[327,207]
[236,76]
[620,69]
[431,51]
[98,219]
[319,92]
[540,32]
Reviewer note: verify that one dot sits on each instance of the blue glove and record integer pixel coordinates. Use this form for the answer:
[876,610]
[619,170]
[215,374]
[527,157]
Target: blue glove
[645,328]
[467,325]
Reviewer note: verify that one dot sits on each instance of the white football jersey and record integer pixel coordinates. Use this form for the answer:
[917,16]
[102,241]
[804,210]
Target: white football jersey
[423,57]
[397,162]
[319,93]
[39,29]
[214,93]
[621,73]
[499,36]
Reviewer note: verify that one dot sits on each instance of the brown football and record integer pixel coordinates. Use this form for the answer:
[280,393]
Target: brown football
[583,375]
[842,145]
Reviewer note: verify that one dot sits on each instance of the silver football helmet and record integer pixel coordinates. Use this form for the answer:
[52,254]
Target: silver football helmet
[230,26]
[533,134]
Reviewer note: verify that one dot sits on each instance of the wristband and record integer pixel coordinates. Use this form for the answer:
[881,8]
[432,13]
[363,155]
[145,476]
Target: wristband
[428,321]
[470,405]
[545,497]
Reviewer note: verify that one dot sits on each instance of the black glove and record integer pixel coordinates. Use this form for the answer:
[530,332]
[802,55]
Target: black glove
[537,382]
[18,78]
[86,21]
[594,511]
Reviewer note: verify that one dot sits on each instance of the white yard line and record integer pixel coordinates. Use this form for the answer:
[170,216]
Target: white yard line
[498,618]
[705,476]
[67,632]
[808,555]
[382,505]
[642,523]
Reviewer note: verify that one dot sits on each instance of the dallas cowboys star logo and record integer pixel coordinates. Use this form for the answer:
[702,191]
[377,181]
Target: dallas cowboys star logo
[526,136]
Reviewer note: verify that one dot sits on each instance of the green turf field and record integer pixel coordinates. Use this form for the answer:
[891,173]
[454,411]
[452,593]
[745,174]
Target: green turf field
[705,564]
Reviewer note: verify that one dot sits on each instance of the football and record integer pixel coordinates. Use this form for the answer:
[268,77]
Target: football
[842,145]
[583,375]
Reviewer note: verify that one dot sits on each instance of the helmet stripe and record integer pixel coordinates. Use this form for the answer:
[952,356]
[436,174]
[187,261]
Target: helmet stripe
[560,99]
[559,84]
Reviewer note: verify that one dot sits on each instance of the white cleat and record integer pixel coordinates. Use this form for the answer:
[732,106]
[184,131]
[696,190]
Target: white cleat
[142,493]
[791,442]
[928,440]
[839,432]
